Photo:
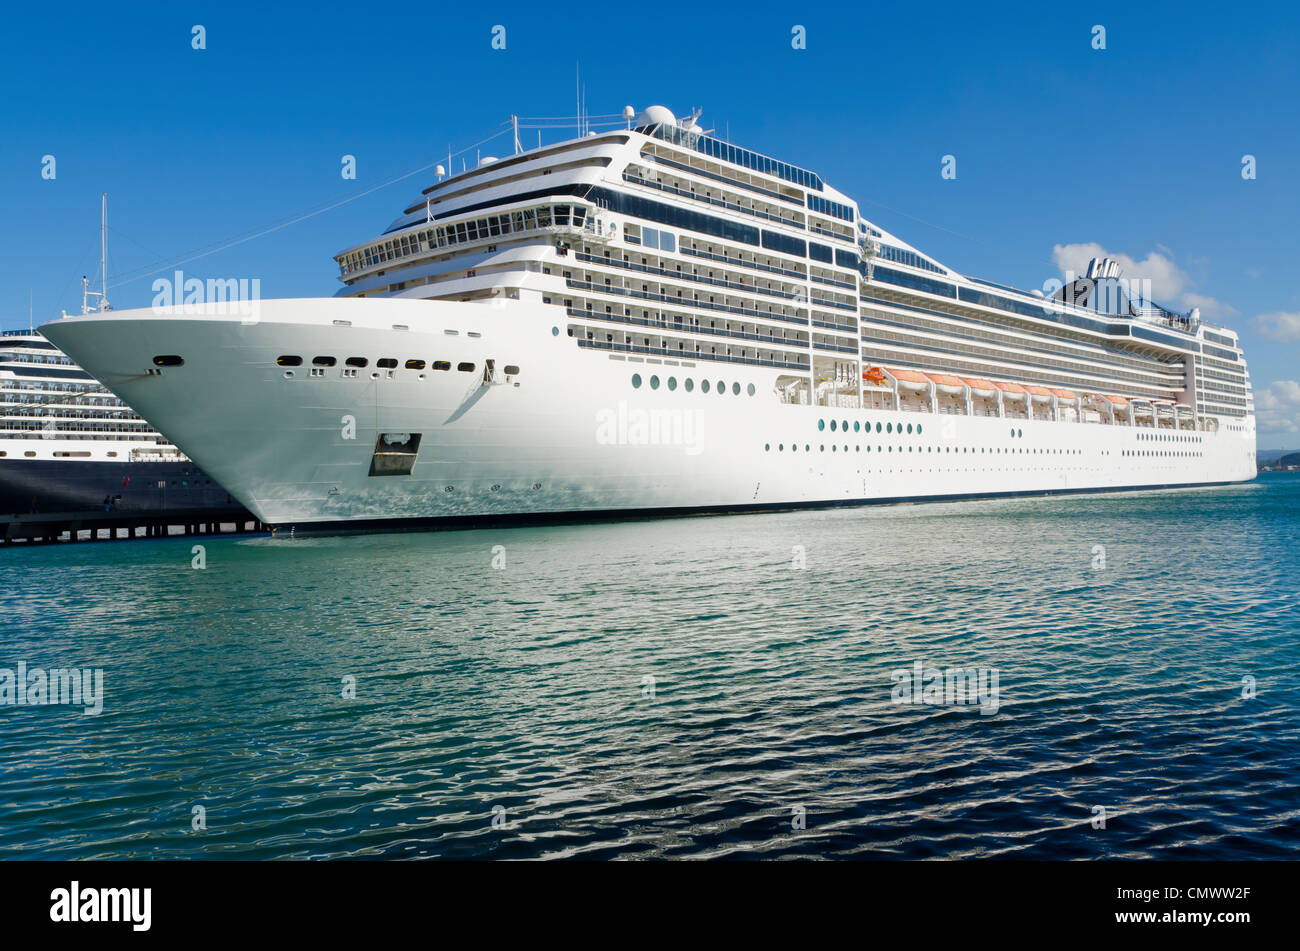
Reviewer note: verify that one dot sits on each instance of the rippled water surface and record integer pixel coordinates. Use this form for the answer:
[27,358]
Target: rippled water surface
[675,687]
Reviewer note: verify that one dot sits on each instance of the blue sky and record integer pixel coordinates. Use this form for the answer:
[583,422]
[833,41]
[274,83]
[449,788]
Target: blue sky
[1136,148]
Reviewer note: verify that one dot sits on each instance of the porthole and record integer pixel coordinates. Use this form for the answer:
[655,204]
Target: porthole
[735,389]
[821,424]
[171,360]
[465,367]
[512,370]
[636,381]
[654,382]
[781,447]
[856,424]
[555,331]
[316,361]
[844,425]
[388,363]
[889,427]
[918,429]
[767,447]
[722,388]
[909,429]
[690,384]
[356,361]
[704,386]
[289,361]
[672,383]
[750,389]
[877,427]
[415,364]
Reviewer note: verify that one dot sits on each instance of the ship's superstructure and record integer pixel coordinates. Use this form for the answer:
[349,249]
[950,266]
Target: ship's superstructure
[654,319]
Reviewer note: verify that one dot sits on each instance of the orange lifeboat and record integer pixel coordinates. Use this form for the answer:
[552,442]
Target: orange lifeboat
[980,387]
[911,380]
[1065,395]
[875,376]
[1039,394]
[1012,389]
[1116,400]
[948,385]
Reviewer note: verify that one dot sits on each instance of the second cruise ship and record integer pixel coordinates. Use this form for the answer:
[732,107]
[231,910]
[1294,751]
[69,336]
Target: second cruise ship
[654,320]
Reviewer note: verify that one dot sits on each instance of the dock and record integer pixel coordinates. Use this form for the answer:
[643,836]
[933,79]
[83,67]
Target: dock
[50,528]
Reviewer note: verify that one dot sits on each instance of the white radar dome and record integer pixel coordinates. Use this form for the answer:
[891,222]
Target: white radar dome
[486,160]
[657,115]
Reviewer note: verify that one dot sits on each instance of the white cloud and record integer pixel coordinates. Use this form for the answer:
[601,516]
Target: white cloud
[1170,284]
[1277,408]
[1280,325]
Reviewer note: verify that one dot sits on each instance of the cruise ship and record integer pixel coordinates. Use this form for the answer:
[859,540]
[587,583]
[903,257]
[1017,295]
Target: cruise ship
[68,445]
[652,320]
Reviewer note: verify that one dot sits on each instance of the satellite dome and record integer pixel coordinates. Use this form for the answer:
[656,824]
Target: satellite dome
[657,115]
[486,160]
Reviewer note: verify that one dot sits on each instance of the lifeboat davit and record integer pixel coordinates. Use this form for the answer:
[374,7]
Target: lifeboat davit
[911,380]
[1065,395]
[947,385]
[1039,394]
[980,387]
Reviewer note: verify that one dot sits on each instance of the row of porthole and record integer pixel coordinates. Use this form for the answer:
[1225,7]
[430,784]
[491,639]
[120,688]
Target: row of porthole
[767,447]
[1162,437]
[689,385]
[384,363]
[1159,452]
[866,427]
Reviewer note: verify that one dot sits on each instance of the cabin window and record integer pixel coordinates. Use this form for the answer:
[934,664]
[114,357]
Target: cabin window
[386,363]
[288,361]
[323,361]
[465,367]
[415,364]
[442,364]
[356,361]
[512,370]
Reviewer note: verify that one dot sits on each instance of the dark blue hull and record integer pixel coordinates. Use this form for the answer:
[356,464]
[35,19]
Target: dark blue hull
[40,486]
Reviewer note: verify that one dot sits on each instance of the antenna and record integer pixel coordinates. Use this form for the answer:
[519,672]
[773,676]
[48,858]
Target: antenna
[514,122]
[103,252]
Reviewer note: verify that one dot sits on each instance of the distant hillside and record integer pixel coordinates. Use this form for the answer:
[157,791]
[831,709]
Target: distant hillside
[1268,455]
[1284,460]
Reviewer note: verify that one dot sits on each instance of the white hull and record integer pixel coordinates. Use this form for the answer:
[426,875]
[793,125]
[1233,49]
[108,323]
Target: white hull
[574,435]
